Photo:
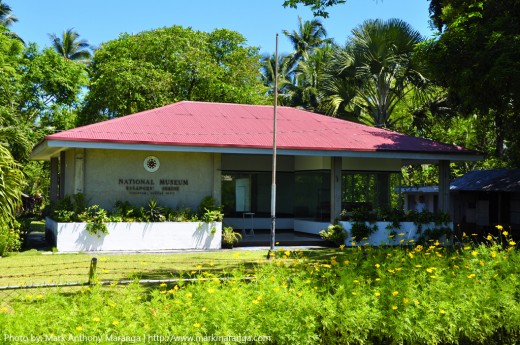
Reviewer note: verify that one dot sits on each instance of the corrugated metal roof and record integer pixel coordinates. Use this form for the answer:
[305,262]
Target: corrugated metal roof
[248,126]
[497,180]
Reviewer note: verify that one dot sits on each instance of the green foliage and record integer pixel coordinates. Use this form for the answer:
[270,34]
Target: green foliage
[334,234]
[153,213]
[229,236]
[476,40]
[361,230]
[10,238]
[374,72]
[153,68]
[318,7]
[96,219]
[11,185]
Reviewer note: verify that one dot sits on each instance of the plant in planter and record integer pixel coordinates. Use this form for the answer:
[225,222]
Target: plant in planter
[335,234]
[96,219]
[230,237]
[360,230]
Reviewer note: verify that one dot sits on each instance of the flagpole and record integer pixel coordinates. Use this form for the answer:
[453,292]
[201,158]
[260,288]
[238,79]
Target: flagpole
[273,186]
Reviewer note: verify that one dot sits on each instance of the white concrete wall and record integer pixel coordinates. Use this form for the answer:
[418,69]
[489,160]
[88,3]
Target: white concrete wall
[73,237]
[105,168]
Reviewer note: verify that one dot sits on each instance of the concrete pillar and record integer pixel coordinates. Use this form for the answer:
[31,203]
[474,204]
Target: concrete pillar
[54,192]
[79,172]
[335,188]
[217,178]
[62,175]
[444,187]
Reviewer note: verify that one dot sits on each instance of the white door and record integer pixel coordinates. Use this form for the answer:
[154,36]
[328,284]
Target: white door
[243,194]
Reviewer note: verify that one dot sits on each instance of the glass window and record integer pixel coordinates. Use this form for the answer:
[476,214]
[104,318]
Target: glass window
[312,195]
[370,189]
[251,192]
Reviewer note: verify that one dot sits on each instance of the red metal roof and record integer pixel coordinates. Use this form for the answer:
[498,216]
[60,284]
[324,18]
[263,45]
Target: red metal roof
[248,126]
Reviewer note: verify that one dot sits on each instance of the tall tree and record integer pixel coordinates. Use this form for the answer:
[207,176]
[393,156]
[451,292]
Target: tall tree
[476,57]
[154,68]
[310,35]
[70,46]
[374,71]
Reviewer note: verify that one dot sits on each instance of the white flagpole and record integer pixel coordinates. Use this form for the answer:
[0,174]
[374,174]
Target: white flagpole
[273,186]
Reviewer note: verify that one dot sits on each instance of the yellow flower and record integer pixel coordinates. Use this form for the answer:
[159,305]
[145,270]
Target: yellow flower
[115,323]
[405,300]
[377,265]
[474,253]
[342,246]
[512,243]
[96,319]
[354,293]
[505,233]
[162,285]
[255,301]
[395,293]
[410,255]
[418,266]
[416,301]
[196,325]
[394,307]
[39,296]
[210,290]
[391,271]
[377,293]
[442,311]
[203,309]
[472,275]
[79,328]
[489,237]
[499,227]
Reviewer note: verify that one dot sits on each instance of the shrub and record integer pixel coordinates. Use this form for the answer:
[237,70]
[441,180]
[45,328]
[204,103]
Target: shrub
[334,234]
[10,239]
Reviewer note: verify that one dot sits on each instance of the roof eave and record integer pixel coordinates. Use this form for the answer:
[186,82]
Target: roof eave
[50,148]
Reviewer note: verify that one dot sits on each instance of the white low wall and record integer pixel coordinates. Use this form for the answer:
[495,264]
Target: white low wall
[406,232]
[73,237]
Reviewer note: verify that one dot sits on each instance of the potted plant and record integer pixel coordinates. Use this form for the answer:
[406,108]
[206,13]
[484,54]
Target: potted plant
[230,237]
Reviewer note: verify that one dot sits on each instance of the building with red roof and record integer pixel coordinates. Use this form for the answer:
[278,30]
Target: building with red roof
[182,152]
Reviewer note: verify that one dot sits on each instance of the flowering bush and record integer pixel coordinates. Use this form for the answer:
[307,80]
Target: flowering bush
[10,240]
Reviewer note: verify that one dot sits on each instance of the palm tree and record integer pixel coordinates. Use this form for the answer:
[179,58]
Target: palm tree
[308,75]
[285,82]
[6,18]
[11,184]
[70,47]
[374,72]
[310,35]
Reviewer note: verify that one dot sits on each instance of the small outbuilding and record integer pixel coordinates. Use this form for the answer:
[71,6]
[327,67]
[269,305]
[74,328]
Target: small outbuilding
[182,152]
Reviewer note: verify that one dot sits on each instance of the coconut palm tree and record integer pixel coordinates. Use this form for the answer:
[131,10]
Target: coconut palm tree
[70,47]
[6,18]
[374,72]
[310,35]
[285,81]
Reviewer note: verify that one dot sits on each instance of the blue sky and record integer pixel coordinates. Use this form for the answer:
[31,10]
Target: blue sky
[257,20]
